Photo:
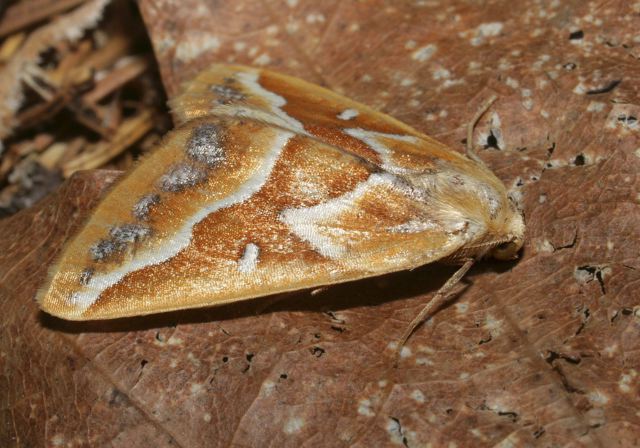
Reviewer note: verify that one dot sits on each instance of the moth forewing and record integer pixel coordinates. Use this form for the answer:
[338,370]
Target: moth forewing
[271,184]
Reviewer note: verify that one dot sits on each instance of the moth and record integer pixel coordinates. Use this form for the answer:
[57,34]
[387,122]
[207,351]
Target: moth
[271,184]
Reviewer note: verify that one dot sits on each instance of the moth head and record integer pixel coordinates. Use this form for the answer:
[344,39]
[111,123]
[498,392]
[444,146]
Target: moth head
[514,229]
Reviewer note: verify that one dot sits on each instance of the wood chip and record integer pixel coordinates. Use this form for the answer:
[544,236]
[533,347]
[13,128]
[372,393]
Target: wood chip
[130,131]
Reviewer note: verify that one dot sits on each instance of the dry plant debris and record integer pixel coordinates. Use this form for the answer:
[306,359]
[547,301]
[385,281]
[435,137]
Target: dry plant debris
[541,352]
[78,90]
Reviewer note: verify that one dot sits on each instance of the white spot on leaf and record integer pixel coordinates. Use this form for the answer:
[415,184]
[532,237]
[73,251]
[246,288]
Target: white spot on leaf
[263,59]
[598,397]
[424,361]
[315,17]
[495,326]
[195,44]
[196,388]
[418,396]
[395,431]
[513,83]
[57,440]
[527,104]
[441,73]
[485,30]
[626,380]
[268,387]
[364,408]
[423,54]
[462,307]
[596,106]
[294,425]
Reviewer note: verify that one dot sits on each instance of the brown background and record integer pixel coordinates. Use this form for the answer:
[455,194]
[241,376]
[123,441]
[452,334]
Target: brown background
[543,351]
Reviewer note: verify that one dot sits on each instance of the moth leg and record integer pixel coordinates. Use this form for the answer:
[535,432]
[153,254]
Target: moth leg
[471,126]
[436,301]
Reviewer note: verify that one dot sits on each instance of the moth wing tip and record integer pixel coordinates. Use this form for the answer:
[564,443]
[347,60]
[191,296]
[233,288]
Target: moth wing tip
[59,308]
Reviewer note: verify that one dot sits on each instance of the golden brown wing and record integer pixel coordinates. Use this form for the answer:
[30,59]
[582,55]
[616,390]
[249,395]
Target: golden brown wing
[271,184]
[306,108]
[228,209]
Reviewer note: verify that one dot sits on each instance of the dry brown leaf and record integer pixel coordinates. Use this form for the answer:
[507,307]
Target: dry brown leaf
[542,352]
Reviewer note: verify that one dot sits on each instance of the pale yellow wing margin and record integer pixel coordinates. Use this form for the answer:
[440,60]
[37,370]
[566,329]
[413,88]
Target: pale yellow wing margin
[308,109]
[229,209]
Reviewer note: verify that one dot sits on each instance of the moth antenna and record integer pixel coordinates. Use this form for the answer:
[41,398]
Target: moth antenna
[436,302]
[471,126]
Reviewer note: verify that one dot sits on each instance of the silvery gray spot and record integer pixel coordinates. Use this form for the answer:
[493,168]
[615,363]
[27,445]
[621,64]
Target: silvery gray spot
[227,94]
[180,177]
[128,233]
[142,208]
[205,145]
[120,237]
[103,249]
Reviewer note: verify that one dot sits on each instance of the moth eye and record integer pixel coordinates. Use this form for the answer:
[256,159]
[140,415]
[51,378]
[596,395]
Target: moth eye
[507,250]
